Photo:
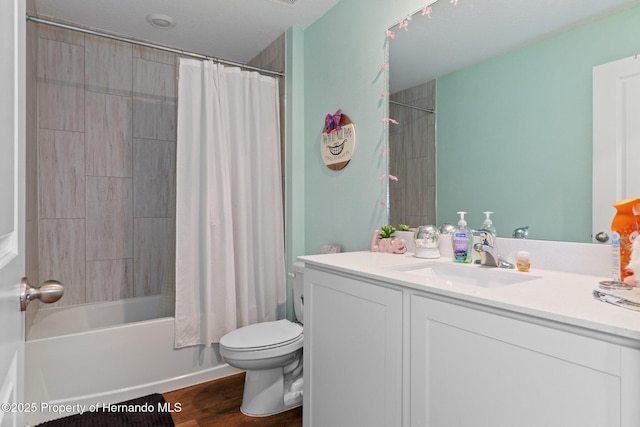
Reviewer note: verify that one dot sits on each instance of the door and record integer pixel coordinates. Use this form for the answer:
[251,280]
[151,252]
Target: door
[12,161]
[616,138]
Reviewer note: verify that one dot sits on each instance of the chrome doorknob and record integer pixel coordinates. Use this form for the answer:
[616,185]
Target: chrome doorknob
[48,292]
[602,237]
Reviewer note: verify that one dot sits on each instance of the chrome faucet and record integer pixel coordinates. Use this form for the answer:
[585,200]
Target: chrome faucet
[521,232]
[488,253]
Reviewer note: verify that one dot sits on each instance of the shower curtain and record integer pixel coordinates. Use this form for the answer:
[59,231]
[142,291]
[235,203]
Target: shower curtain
[229,216]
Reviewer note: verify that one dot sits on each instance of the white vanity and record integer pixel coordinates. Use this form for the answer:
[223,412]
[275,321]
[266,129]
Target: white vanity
[393,340]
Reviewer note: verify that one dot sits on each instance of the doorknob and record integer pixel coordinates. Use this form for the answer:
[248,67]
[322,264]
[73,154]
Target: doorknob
[49,291]
[602,237]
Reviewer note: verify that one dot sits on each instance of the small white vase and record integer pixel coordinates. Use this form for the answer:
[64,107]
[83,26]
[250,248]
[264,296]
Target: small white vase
[408,238]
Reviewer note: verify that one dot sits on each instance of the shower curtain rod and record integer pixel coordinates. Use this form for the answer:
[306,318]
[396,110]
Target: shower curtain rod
[426,110]
[151,45]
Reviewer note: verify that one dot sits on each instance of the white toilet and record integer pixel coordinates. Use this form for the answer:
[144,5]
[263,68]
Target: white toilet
[271,355]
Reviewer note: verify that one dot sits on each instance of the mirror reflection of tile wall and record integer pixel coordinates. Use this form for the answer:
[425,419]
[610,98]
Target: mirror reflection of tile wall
[106,166]
[412,157]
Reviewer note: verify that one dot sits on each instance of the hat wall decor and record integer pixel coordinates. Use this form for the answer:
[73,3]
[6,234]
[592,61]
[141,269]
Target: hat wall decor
[338,140]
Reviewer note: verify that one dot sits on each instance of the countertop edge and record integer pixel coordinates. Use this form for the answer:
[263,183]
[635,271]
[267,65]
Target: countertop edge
[610,331]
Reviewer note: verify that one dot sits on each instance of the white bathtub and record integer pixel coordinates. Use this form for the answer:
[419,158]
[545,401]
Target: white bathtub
[107,353]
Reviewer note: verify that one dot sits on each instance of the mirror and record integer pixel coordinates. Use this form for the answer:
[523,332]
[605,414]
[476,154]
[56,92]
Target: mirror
[504,91]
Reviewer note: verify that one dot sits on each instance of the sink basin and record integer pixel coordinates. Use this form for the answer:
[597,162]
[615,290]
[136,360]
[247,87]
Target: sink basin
[476,275]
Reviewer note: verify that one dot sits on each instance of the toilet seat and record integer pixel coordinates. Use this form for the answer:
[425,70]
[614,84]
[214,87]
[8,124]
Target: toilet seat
[262,336]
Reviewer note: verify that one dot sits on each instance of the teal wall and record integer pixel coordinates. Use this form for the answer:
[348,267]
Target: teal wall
[342,53]
[341,56]
[294,155]
[518,129]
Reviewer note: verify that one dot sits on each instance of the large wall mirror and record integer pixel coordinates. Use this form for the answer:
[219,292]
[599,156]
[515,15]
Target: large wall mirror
[493,100]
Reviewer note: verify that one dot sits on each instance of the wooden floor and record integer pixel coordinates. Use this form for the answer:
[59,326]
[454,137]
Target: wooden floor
[217,403]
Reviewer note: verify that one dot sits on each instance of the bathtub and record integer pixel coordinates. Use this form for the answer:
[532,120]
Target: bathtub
[95,354]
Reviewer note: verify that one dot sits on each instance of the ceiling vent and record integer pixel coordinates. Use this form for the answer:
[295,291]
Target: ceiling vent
[160,20]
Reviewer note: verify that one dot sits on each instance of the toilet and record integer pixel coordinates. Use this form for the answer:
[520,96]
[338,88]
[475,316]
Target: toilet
[271,355]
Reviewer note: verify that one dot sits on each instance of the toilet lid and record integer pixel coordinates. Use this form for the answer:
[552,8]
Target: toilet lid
[266,334]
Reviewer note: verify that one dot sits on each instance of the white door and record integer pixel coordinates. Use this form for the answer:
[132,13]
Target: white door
[616,138]
[12,162]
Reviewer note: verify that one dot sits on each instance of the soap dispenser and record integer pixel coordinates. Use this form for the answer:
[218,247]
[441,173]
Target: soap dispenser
[488,224]
[462,241]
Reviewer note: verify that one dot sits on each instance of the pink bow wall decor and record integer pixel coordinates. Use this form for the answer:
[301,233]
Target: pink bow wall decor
[332,122]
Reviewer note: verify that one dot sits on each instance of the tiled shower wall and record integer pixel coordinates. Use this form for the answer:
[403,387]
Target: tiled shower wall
[412,158]
[105,165]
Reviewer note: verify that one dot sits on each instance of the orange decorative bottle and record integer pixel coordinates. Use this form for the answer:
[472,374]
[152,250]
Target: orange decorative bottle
[624,229]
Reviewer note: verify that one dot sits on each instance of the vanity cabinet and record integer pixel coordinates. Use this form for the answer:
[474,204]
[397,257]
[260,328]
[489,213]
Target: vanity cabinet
[473,368]
[352,352]
[379,354]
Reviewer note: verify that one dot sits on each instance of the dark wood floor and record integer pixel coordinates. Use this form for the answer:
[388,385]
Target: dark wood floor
[217,403]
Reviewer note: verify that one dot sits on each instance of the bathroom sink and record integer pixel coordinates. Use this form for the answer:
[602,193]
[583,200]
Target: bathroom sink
[476,275]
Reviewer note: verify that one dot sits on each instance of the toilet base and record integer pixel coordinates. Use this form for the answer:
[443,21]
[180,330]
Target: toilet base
[268,392]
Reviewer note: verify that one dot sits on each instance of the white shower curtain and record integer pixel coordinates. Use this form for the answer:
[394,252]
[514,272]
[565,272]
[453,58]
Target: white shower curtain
[229,216]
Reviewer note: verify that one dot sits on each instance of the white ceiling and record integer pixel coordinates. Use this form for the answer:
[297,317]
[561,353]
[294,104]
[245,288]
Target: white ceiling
[235,30]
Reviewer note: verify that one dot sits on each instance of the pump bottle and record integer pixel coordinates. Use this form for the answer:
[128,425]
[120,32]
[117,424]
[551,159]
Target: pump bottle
[462,240]
[488,224]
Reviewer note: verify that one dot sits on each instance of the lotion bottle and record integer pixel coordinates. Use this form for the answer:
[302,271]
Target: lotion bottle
[488,224]
[462,241]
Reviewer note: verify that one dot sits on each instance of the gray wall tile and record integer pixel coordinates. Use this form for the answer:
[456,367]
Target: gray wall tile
[154,255]
[155,55]
[82,164]
[61,86]
[109,280]
[62,257]
[108,130]
[412,157]
[61,35]
[108,66]
[154,178]
[109,218]
[154,100]
[272,57]
[62,179]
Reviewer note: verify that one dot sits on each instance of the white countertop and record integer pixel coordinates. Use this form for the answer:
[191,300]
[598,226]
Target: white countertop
[560,297]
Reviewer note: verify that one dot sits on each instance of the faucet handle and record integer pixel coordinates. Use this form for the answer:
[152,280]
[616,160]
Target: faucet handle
[521,232]
[487,237]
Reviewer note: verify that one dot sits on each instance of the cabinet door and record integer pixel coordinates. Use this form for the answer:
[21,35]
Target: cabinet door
[352,352]
[472,368]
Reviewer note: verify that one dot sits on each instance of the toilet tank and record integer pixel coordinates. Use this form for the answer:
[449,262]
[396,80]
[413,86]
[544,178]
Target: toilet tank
[298,290]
